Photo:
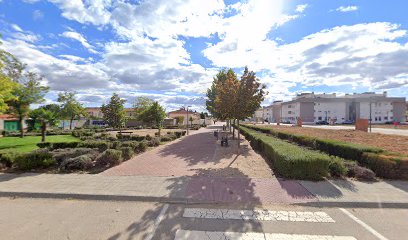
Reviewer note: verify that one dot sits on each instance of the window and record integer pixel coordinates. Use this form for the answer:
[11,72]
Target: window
[289,112]
[319,118]
[379,118]
[385,118]
[289,106]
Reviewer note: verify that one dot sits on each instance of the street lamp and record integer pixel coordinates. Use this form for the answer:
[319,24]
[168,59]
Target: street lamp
[187,119]
[370,115]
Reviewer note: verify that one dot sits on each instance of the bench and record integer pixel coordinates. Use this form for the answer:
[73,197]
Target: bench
[130,133]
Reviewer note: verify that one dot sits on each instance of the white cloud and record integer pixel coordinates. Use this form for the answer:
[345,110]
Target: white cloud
[37,14]
[347,8]
[301,8]
[16,28]
[78,37]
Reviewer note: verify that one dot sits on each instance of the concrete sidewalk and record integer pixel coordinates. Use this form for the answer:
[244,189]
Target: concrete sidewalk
[205,190]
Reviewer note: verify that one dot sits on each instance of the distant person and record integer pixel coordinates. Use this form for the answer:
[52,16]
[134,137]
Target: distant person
[395,124]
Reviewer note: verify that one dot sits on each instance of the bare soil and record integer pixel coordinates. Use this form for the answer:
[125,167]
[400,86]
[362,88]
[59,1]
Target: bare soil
[391,143]
[390,126]
[144,132]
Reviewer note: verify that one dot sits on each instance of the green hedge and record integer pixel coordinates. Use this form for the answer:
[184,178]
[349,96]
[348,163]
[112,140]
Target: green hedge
[289,160]
[374,158]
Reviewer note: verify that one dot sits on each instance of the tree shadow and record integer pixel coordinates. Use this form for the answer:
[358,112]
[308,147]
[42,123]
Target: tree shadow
[399,184]
[4,177]
[201,191]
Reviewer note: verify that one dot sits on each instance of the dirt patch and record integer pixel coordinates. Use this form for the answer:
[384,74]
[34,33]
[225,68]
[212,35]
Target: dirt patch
[392,143]
[390,126]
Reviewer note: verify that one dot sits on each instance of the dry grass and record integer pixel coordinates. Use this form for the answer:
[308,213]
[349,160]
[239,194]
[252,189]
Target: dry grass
[392,143]
[391,126]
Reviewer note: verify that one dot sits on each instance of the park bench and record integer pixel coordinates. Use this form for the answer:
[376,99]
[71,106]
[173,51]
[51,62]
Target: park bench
[130,133]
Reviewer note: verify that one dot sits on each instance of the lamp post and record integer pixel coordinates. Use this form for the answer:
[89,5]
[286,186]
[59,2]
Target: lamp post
[187,119]
[370,114]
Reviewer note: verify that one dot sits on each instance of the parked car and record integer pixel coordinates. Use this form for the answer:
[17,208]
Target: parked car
[389,122]
[348,122]
[322,122]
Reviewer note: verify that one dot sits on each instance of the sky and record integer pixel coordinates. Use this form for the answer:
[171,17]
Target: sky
[170,50]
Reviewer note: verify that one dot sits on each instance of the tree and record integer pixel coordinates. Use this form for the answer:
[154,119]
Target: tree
[114,112]
[45,115]
[70,107]
[227,97]
[29,91]
[191,121]
[212,91]
[251,93]
[141,104]
[203,115]
[180,120]
[155,114]
[7,85]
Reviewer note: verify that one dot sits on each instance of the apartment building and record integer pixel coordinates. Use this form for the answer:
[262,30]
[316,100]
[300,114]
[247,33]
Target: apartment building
[312,107]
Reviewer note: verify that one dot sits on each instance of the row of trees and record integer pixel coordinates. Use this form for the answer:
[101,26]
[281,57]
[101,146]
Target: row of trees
[146,111]
[20,89]
[233,99]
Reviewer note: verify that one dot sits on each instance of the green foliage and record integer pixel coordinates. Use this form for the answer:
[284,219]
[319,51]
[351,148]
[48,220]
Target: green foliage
[8,158]
[40,158]
[289,160]
[29,91]
[154,142]
[29,143]
[374,158]
[60,155]
[8,64]
[337,167]
[110,157]
[82,162]
[114,112]
[141,147]
[155,115]
[127,152]
[180,120]
[58,145]
[45,115]
[141,104]
[70,107]
[44,145]
[101,145]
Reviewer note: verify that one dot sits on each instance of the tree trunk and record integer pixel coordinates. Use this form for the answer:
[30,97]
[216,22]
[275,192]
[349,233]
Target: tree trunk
[20,119]
[238,132]
[43,130]
[159,131]
[70,123]
[233,130]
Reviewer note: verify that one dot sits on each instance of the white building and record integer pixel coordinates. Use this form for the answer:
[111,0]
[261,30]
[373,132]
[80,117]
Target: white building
[312,107]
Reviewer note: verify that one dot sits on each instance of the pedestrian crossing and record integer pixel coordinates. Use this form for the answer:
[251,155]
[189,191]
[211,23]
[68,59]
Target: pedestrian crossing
[307,217]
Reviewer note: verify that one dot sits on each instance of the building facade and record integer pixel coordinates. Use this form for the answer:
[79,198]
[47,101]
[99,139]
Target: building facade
[312,108]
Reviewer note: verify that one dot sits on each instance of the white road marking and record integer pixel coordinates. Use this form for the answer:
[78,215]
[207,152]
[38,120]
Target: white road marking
[363,224]
[157,221]
[261,215]
[199,235]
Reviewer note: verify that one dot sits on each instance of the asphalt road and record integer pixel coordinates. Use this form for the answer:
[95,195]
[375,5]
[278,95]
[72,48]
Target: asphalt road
[23,218]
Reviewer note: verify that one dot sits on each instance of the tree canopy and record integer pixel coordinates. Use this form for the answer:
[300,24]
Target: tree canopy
[70,107]
[155,115]
[47,115]
[114,112]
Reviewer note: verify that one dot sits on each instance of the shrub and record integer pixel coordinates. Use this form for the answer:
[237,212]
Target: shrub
[111,138]
[178,134]
[8,158]
[101,145]
[127,152]
[116,144]
[44,145]
[383,166]
[36,159]
[166,138]
[131,144]
[337,167]
[137,138]
[154,142]
[289,160]
[110,157]
[141,147]
[58,145]
[148,137]
[60,155]
[82,162]
[122,137]
[356,171]
[84,138]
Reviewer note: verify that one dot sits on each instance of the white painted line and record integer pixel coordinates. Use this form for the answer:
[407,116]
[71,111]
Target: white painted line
[157,221]
[363,224]
[199,235]
[261,215]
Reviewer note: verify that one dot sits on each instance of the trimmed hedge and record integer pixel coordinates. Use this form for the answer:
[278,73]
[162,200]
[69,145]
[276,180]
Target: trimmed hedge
[57,145]
[382,163]
[290,161]
[40,158]
[110,157]
[101,145]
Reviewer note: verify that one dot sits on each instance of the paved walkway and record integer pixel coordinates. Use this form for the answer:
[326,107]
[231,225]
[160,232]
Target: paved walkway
[195,169]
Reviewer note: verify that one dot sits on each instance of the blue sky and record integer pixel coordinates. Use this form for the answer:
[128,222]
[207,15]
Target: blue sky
[170,50]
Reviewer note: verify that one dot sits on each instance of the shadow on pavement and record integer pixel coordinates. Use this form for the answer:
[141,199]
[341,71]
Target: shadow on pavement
[205,189]
[10,176]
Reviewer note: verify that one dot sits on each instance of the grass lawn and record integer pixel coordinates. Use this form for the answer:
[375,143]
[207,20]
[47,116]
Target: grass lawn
[28,143]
